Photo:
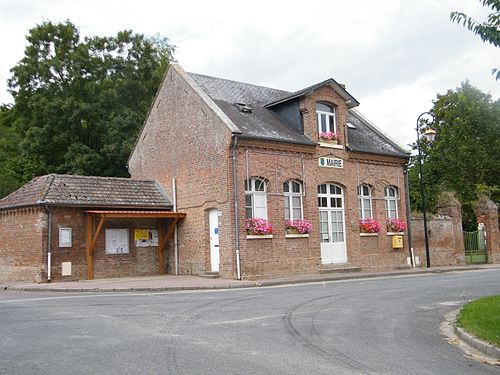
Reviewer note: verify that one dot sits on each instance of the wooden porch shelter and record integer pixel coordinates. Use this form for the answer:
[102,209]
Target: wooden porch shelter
[166,229]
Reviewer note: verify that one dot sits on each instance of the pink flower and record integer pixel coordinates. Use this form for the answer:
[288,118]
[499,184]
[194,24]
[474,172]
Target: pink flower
[257,225]
[369,225]
[395,225]
[328,135]
[302,226]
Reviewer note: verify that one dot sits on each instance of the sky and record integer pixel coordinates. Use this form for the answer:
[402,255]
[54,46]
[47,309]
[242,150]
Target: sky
[394,56]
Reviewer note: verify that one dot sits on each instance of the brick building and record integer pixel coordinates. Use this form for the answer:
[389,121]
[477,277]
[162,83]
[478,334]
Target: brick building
[60,227]
[231,151]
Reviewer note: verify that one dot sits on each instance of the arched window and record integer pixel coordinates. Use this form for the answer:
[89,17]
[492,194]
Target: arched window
[255,198]
[293,200]
[326,118]
[365,201]
[391,202]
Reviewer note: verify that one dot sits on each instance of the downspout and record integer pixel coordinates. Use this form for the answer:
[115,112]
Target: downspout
[235,196]
[176,247]
[49,241]
[408,213]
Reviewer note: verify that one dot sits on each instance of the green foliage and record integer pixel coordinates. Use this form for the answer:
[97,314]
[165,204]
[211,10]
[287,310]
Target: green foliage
[78,102]
[488,31]
[464,157]
[482,318]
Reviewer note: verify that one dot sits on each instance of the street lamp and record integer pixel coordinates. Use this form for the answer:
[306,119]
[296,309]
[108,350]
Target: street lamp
[429,134]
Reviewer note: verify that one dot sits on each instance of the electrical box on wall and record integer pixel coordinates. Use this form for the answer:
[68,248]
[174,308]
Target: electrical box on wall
[66,269]
[397,242]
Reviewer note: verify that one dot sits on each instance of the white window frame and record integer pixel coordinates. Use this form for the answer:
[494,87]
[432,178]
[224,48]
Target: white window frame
[365,201]
[289,195]
[255,197]
[69,232]
[389,199]
[330,118]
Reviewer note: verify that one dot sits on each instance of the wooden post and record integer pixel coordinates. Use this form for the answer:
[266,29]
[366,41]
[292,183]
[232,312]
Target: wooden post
[90,257]
[161,245]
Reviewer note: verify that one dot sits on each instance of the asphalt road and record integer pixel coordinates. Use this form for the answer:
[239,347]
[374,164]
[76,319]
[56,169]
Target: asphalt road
[373,326]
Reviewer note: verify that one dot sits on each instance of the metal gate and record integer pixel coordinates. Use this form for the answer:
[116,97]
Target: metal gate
[475,246]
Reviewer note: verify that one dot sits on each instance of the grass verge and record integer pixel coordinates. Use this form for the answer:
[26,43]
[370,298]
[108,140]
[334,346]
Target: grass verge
[482,318]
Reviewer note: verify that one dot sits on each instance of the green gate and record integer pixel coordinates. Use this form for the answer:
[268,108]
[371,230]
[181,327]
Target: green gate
[475,247]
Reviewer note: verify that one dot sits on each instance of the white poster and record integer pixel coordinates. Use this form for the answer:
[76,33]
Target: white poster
[117,241]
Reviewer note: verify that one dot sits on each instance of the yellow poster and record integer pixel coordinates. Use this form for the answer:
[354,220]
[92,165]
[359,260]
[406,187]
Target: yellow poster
[141,235]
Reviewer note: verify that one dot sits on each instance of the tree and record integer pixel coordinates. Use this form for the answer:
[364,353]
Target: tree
[78,102]
[488,31]
[464,157]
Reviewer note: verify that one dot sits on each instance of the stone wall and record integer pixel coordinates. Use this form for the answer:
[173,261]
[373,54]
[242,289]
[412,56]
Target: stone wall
[446,244]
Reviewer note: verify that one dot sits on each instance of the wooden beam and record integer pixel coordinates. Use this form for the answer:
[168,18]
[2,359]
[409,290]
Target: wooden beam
[88,246]
[97,232]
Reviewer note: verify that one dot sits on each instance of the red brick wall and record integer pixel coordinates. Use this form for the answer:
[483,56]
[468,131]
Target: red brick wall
[22,245]
[184,138]
[284,256]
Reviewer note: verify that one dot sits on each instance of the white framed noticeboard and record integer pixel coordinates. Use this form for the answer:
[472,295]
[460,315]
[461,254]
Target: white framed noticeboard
[65,237]
[117,241]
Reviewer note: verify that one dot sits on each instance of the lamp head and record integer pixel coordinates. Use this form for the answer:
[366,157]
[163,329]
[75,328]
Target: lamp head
[430,135]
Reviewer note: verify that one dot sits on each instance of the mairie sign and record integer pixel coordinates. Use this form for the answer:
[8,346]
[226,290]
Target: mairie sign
[331,162]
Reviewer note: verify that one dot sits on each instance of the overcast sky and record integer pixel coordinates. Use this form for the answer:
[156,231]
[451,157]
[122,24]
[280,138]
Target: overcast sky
[395,56]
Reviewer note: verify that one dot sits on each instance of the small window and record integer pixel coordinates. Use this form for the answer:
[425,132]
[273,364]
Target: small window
[65,237]
[293,200]
[255,198]
[326,118]
[365,201]
[391,202]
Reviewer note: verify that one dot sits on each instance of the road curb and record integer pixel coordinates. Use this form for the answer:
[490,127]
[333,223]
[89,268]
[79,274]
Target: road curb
[248,284]
[478,344]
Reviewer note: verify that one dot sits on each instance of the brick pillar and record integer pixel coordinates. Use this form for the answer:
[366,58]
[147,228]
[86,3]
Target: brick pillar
[487,213]
[448,205]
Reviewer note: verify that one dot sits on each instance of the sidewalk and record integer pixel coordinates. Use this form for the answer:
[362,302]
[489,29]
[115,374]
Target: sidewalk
[174,283]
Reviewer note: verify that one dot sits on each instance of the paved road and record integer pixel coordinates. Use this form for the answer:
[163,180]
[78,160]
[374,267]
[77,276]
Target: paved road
[380,326]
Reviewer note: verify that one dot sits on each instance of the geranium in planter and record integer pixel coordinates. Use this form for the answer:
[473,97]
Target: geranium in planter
[298,226]
[257,225]
[395,225]
[369,225]
[329,136]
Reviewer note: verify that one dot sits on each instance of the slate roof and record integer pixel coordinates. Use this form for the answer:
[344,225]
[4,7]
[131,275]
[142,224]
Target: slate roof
[367,138]
[263,123]
[88,191]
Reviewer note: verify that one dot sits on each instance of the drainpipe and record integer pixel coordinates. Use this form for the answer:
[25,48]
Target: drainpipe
[49,241]
[176,247]
[408,213]
[236,226]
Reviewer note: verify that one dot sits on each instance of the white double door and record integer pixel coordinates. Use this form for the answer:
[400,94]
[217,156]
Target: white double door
[332,224]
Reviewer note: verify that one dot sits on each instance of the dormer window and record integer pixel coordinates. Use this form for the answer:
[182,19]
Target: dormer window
[326,118]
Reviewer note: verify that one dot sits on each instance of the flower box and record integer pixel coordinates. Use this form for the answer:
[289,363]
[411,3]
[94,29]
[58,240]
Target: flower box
[395,233]
[297,235]
[369,226]
[395,226]
[258,226]
[298,226]
[363,234]
[259,236]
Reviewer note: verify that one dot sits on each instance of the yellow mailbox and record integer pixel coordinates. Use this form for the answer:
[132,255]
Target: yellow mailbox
[397,242]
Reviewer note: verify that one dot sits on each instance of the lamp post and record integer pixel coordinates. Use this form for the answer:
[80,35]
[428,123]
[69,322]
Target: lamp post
[429,134]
